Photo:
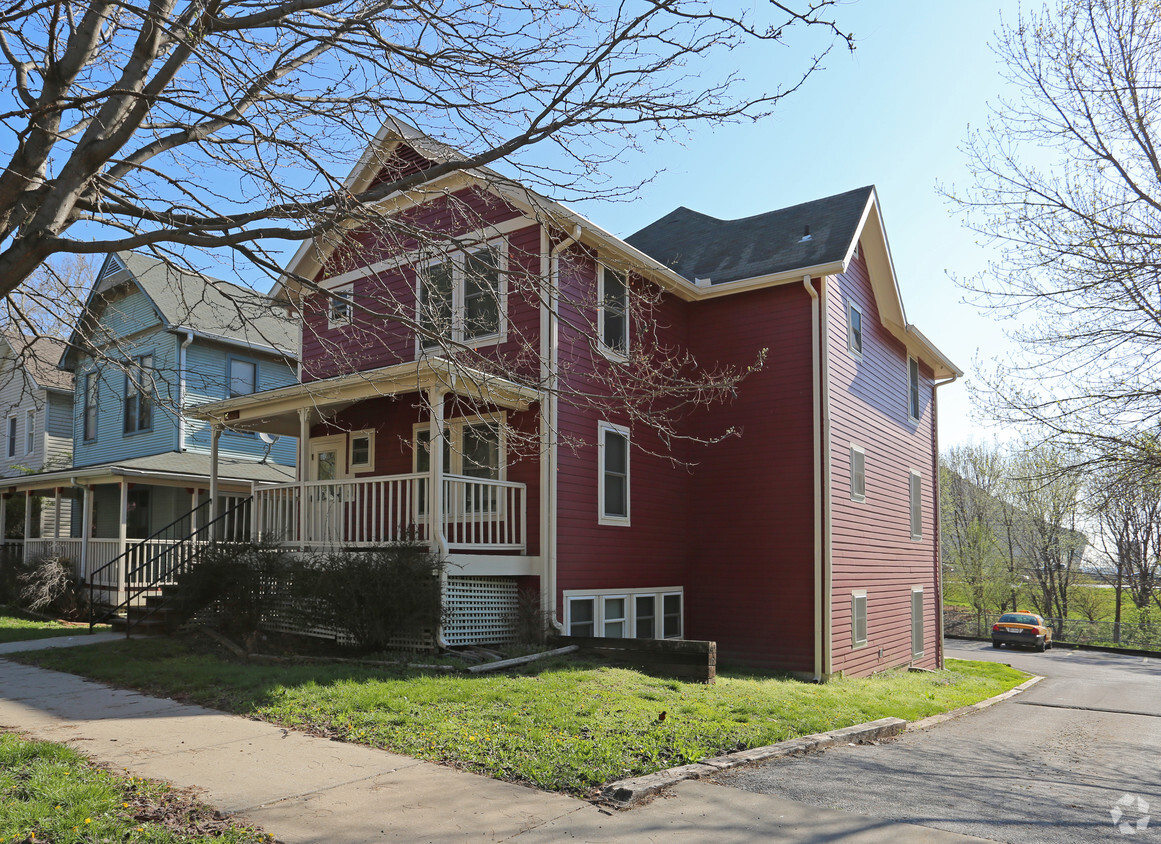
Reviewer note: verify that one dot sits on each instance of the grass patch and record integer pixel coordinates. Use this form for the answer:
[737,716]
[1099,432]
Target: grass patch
[49,792]
[17,626]
[562,725]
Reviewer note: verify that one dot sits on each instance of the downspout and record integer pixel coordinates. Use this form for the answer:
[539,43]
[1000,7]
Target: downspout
[936,493]
[816,411]
[828,544]
[548,425]
[182,389]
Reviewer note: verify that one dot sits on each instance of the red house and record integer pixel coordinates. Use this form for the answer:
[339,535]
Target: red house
[795,523]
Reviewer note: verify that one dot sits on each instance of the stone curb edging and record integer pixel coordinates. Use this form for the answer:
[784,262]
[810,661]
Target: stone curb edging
[932,720]
[625,794]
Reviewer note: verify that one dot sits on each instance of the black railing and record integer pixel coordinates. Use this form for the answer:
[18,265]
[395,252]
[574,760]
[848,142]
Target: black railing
[161,557]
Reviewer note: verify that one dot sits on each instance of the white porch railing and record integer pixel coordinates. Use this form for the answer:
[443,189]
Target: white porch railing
[478,514]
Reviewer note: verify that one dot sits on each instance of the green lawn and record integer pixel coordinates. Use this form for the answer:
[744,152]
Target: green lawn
[51,793]
[16,626]
[563,725]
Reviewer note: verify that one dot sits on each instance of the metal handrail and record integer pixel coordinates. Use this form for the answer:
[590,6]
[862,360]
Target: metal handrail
[131,592]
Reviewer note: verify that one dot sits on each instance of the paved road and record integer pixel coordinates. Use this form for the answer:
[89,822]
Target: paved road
[1047,766]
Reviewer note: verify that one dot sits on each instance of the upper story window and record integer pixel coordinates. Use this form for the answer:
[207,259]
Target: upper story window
[913,388]
[243,377]
[613,474]
[29,431]
[858,474]
[461,298]
[915,498]
[854,329]
[139,395]
[340,310]
[613,312]
[90,406]
[11,436]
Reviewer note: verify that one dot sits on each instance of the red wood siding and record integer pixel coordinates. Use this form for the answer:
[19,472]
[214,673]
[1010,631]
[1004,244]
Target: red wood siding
[652,551]
[751,530]
[872,547]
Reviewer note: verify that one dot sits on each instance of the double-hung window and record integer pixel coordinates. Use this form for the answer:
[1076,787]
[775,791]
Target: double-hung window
[613,474]
[471,449]
[916,500]
[29,431]
[11,436]
[340,308]
[461,297]
[139,395]
[243,377]
[858,473]
[89,422]
[854,329]
[613,313]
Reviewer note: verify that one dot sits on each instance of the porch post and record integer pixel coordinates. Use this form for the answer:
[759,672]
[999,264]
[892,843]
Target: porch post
[3,517]
[215,436]
[193,512]
[86,528]
[27,521]
[123,527]
[303,471]
[56,515]
[435,466]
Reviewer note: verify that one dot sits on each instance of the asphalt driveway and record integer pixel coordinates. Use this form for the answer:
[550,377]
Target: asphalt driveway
[1052,764]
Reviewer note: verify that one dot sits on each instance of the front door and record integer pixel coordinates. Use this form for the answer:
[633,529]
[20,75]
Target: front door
[328,466]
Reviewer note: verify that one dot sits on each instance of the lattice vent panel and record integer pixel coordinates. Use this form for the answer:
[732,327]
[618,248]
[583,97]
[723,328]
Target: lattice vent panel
[482,610]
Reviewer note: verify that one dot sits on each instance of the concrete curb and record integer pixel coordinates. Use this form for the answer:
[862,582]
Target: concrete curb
[1107,649]
[627,793]
[931,721]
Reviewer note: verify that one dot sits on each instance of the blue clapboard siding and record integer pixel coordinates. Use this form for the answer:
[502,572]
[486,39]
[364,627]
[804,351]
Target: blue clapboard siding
[208,381]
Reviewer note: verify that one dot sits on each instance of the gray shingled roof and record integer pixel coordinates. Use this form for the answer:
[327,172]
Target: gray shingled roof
[39,357]
[192,463]
[211,306]
[699,246]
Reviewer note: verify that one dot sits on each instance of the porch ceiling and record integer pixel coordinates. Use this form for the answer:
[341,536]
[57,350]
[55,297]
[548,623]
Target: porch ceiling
[276,411]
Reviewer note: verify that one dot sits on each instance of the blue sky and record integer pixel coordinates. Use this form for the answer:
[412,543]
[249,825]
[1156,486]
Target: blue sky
[893,114]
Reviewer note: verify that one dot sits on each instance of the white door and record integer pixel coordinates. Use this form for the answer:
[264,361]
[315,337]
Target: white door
[328,463]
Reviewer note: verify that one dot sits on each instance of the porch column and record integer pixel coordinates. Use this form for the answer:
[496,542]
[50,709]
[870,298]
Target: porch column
[27,521]
[193,512]
[123,527]
[4,517]
[56,515]
[86,528]
[215,436]
[303,471]
[435,466]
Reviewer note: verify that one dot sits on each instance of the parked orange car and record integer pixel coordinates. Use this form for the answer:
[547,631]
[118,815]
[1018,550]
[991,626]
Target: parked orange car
[1022,628]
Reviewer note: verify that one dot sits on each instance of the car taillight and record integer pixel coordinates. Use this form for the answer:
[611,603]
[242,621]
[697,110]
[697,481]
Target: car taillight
[995,627]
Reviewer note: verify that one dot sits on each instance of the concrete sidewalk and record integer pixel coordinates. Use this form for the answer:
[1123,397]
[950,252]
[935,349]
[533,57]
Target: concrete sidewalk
[305,789]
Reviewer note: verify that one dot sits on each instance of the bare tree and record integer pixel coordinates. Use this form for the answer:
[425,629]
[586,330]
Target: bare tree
[972,534]
[224,125]
[1067,180]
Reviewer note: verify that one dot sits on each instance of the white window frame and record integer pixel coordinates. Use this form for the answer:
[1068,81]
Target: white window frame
[352,466]
[459,306]
[230,361]
[340,314]
[454,428]
[10,449]
[617,355]
[916,654]
[856,596]
[29,431]
[604,518]
[913,389]
[856,495]
[598,596]
[853,308]
[915,504]
[626,614]
[90,385]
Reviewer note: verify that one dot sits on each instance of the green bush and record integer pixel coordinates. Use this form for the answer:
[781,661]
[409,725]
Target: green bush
[374,596]
[247,581]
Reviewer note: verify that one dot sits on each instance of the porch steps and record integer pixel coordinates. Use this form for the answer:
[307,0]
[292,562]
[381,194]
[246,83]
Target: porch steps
[161,615]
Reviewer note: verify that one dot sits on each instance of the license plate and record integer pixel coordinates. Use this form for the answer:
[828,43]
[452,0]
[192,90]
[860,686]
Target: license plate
[1016,630]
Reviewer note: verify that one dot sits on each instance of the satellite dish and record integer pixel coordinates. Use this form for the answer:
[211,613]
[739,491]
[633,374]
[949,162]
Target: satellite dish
[269,439]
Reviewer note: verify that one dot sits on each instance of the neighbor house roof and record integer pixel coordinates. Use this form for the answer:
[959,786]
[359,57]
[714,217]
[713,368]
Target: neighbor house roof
[704,249]
[210,308]
[174,468]
[39,357]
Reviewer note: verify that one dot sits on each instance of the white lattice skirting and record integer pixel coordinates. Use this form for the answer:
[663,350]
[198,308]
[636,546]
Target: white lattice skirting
[480,609]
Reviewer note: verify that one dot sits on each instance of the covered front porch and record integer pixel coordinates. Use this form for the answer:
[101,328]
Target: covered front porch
[359,434]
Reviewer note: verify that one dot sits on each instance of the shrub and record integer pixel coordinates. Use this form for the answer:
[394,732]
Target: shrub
[247,581]
[51,586]
[529,621]
[12,566]
[374,596]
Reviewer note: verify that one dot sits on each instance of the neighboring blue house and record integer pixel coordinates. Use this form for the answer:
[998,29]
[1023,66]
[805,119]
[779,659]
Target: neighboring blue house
[152,342]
